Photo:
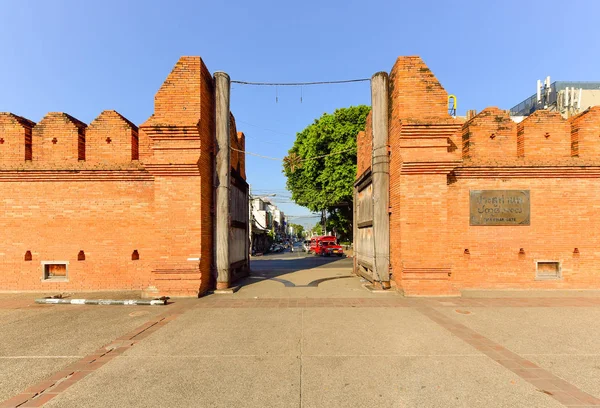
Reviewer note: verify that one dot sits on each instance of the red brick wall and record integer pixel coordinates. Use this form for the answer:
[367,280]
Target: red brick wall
[109,204]
[238,144]
[60,215]
[15,134]
[585,133]
[562,219]
[415,91]
[241,158]
[111,138]
[437,160]
[179,99]
[59,138]
[206,130]
[395,192]
[491,135]
[180,136]
[364,147]
[544,135]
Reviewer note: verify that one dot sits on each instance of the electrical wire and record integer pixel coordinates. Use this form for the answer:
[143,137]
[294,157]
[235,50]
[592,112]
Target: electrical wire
[302,160]
[256,154]
[343,81]
[263,128]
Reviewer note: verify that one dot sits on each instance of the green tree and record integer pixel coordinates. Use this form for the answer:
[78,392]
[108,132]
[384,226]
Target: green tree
[298,230]
[317,229]
[321,166]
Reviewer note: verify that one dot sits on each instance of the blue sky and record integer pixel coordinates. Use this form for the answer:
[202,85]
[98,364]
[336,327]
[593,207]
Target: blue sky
[82,57]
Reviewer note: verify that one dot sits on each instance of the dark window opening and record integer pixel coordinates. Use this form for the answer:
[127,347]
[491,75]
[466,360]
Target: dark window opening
[135,153]
[81,144]
[28,256]
[135,255]
[28,149]
[81,256]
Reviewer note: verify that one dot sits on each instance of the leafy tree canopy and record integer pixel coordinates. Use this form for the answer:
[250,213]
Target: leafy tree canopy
[298,229]
[326,183]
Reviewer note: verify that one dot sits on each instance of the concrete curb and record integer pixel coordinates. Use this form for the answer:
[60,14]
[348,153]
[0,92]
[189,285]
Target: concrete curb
[129,302]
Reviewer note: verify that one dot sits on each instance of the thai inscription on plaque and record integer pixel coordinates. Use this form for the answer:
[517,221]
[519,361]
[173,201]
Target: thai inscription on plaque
[499,207]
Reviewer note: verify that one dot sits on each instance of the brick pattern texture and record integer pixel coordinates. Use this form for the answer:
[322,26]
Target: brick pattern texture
[436,160]
[110,189]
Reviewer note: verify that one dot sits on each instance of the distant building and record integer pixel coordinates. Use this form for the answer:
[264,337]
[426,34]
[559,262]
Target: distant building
[566,97]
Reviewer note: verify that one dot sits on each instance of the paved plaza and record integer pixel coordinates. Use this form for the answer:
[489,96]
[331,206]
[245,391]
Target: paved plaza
[304,332]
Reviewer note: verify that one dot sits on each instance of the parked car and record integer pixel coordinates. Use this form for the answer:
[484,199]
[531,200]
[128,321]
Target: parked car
[315,248]
[306,245]
[329,248]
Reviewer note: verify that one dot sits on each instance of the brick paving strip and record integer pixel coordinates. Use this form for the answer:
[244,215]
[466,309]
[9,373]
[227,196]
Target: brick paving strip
[546,382]
[37,395]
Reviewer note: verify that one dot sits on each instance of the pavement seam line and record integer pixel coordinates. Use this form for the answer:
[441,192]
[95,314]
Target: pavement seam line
[560,390]
[301,351]
[91,362]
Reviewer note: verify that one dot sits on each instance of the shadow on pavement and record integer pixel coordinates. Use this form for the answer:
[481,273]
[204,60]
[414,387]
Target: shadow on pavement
[272,266]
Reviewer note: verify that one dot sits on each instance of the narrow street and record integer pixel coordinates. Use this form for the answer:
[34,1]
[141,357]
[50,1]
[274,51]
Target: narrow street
[299,274]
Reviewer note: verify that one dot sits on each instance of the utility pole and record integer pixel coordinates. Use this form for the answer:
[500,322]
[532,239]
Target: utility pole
[222,167]
[381,177]
[250,217]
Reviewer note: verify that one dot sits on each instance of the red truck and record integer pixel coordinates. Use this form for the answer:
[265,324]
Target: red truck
[325,245]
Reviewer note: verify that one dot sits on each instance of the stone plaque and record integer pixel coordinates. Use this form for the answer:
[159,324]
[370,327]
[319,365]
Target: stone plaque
[499,207]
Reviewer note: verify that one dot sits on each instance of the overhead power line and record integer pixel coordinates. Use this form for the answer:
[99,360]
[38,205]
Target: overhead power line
[256,154]
[343,81]
[263,128]
[302,160]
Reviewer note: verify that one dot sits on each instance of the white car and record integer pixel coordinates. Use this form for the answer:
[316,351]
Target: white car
[306,245]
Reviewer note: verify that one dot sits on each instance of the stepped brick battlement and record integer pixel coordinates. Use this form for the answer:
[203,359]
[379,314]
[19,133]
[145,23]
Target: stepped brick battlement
[60,138]
[15,138]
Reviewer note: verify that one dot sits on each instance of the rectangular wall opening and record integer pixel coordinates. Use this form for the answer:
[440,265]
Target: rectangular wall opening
[81,144]
[28,152]
[55,270]
[135,152]
[547,270]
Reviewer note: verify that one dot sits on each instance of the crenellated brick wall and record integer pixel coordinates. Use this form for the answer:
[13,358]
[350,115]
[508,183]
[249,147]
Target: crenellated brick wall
[364,146]
[125,208]
[59,137]
[544,135]
[111,138]
[490,134]
[585,134]
[238,144]
[437,160]
[15,138]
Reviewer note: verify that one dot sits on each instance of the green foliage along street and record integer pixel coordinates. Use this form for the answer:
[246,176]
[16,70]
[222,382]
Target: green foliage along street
[298,230]
[321,166]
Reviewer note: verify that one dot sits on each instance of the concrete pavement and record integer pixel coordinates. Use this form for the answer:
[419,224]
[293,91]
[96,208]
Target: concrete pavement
[301,333]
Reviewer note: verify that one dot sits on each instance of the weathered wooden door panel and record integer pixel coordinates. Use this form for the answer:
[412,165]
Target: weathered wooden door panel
[364,239]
